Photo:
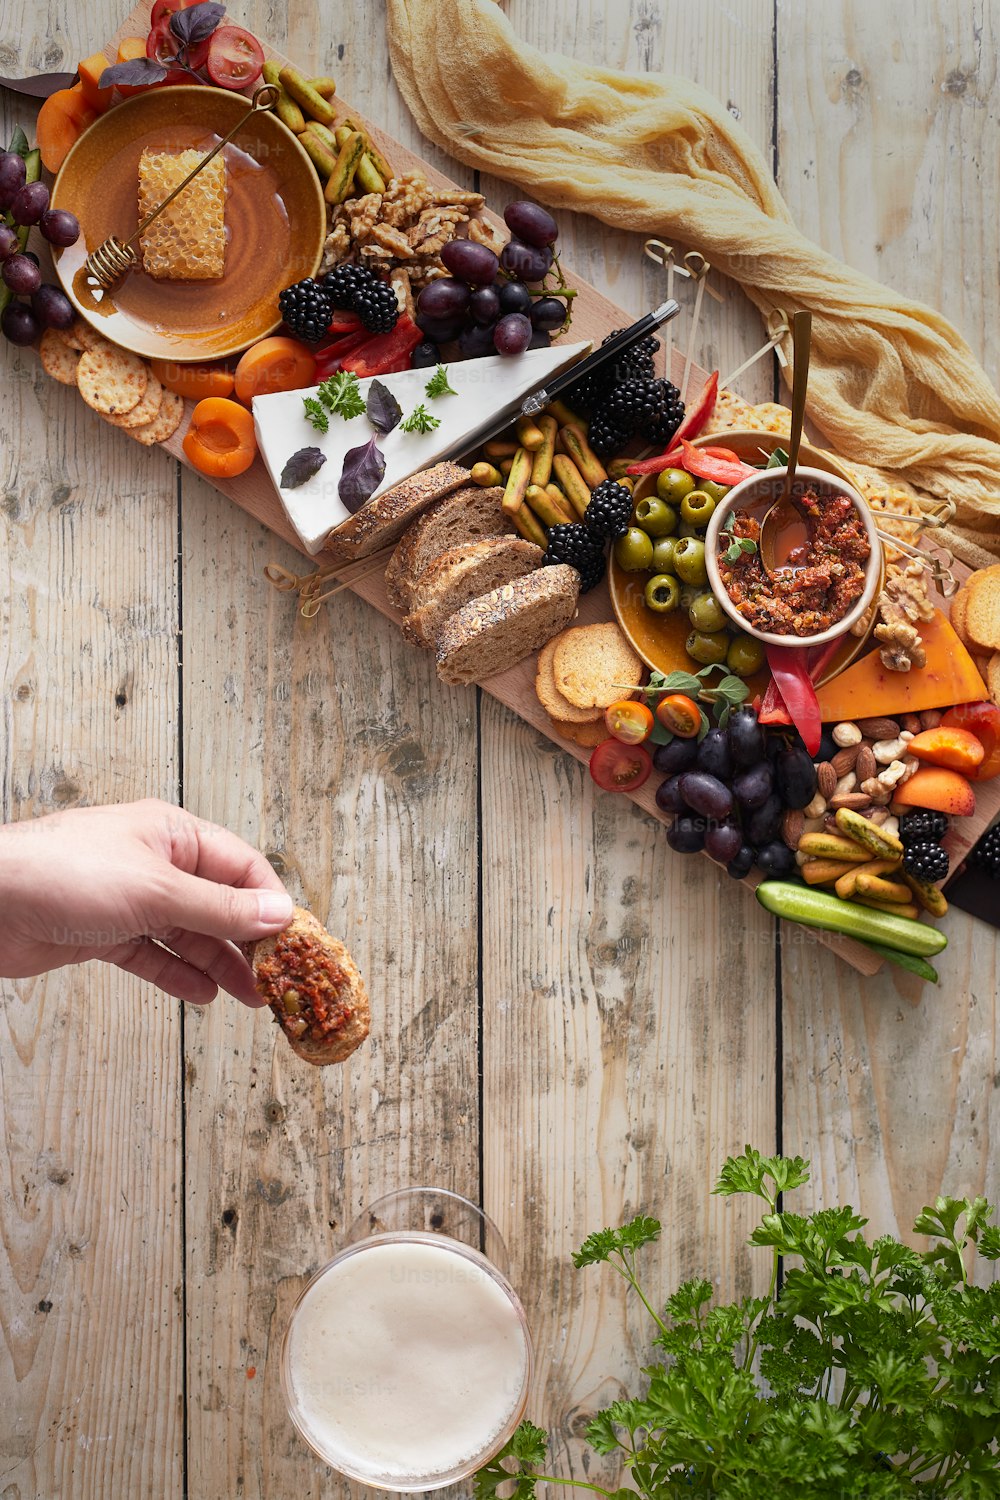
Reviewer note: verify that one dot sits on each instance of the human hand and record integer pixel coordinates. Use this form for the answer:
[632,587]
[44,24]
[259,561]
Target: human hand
[143,885]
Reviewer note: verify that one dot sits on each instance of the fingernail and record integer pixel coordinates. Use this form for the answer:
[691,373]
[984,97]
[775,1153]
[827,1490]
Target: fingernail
[274,907]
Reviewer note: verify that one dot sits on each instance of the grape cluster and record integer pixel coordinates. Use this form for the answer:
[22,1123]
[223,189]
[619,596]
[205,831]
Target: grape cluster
[22,205]
[486,303]
[730,791]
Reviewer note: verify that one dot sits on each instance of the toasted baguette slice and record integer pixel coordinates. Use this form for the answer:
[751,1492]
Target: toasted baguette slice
[304,966]
[462,574]
[381,522]
[982,613]
[594,665]
[466,515]
[488,635]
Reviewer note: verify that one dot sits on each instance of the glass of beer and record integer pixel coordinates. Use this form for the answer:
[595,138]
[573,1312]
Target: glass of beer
[406,1362]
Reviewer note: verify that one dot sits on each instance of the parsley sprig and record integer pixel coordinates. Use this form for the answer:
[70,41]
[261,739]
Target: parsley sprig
[419,420]
[339,396]
[873,1371]
[438,384]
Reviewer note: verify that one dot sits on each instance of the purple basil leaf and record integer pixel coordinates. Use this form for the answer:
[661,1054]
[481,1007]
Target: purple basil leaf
[300,467]
[383,410]
[134,74]
[193,25]
[363,471]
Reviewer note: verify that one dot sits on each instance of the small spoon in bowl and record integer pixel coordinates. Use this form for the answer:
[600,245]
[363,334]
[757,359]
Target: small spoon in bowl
[782,515]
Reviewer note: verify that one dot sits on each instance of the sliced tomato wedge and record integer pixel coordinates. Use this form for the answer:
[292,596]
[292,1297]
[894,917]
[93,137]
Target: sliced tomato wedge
[620,768]
[629,720]
[235,57]
[163,46]
[680,715]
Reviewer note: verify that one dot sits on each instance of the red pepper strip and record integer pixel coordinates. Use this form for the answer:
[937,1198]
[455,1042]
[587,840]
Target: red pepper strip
[382,354]
[724,453]
[344,322]
[790,670]
[719,470]
[771,709]
[820,657]
[694,420]
[328,359]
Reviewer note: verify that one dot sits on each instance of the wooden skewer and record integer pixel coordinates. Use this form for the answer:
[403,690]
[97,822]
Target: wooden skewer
[312,602]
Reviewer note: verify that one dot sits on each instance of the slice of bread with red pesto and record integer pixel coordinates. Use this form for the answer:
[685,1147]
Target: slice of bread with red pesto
[466,515]
[490,634]
[462,574]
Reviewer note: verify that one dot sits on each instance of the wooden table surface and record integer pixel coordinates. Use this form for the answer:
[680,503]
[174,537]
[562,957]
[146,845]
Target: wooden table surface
[570,1022]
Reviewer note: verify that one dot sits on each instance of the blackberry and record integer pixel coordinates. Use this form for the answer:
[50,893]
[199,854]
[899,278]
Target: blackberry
[986,854]
[667,412]
[651,407]
[307,309]
[581,548]
[610,510]
[634,364]
[922,826]
[925,861]
[358,290]
[605,436]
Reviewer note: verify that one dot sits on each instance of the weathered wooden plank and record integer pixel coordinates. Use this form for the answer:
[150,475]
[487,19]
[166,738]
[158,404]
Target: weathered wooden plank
[91,1331]
[889,142]
[628,993]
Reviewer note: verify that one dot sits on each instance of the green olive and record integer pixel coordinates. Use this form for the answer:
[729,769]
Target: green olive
[689,560]
[745,655]
[697,508]
[656,517]
[717,491]
[686,529]
[673,484]
[706,613]
[663,594]
[707,647]
[634,551]
[663,554]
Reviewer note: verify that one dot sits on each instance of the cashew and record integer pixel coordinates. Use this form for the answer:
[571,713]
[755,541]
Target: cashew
[886,751]
[846,784]
[817,807]
[846,734]
[892,774]
[906,735]
[891,824]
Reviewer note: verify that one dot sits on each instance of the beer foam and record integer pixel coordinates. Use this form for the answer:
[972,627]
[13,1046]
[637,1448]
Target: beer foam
[406,1361]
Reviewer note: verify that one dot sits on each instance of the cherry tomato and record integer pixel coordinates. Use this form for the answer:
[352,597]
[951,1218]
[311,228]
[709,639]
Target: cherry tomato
[620,768]
[235,57]
[629,721]
[162,45]
[164,9]
[982,720]
[680,714]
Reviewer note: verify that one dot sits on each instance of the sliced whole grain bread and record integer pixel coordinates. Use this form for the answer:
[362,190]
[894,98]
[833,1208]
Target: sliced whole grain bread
[382,521]
[490,634]
[465,573]
[466,515]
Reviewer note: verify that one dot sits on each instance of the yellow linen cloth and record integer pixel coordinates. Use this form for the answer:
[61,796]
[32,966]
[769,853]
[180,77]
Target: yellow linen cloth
[891,383]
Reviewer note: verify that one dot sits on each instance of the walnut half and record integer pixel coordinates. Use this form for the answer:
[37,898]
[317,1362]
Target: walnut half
[901,646]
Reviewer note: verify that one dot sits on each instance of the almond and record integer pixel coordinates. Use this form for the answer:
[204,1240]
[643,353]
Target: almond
[866,765]
[878,729]
[845,758]
[909,723]
[826,779]
[931,718]
[792,825]
[854,800]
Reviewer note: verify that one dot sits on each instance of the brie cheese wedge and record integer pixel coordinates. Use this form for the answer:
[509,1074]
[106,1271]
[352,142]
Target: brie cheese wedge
[483,387]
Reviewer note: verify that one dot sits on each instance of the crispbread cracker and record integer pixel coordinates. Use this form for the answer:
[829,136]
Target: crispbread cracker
[982,613]
[993,677]
[549,696]
[164,424]
[81,336]
[594,666]
[111,380]
[58,359]
[587,735]
[146,409]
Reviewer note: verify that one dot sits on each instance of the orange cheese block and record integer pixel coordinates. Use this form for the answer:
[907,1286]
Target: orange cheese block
[869,690]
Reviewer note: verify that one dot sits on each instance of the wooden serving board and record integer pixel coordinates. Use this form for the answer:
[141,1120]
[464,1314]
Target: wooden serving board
[594,316]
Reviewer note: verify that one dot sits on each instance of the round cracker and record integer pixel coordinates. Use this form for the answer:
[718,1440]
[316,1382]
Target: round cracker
[145,410]
[587,735]
[58,359]
[594,665]
[549,696]
[164,424]
[81,336]
[111,380]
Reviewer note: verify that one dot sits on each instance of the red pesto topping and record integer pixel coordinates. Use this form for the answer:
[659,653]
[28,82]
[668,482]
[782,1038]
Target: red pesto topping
[828,577]
[300,963]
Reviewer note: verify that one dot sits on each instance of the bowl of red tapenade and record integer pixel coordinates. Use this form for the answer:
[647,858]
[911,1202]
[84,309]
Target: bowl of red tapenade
[828,560]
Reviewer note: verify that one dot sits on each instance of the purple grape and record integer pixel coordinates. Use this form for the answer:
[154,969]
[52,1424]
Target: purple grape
[540,339]
[474,342]
[514,297]
[678,755]
[752,787]
[484,305]
[444,299]
[475,264]
[548,314]
[776,859]
[29,203]
[742,862]
[59,227]
[796,777]
[723,841]
[18,323]
[52,307]
[668,796]
[526,262]
[706,794]
[21,275]
[686,835]
[512,335]
[30,255]
[531,223]
[714,754]
[12,174]
[425,355]
[9,242]
[746,737]
[764,823]
[440,330]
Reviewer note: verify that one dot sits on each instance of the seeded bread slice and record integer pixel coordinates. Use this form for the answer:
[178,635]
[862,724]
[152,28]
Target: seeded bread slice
[466,515]
[382,521]
[462,574]
[491,634]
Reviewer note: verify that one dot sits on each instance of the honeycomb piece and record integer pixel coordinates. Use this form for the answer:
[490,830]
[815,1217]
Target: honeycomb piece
[187,242]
